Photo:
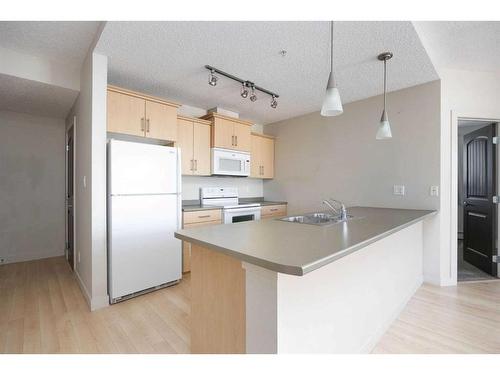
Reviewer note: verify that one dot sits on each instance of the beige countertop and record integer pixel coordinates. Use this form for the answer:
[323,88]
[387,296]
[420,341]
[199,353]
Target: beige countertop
[297,249]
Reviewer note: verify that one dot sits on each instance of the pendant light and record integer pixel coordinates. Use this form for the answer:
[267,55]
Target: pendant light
[384,128]
[332,105]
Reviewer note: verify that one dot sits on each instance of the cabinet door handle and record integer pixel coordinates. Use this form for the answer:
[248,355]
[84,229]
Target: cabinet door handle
[203,216]
[195,164]
[147,126]
[192,165]
[273,209]
[142,124]
[236,137]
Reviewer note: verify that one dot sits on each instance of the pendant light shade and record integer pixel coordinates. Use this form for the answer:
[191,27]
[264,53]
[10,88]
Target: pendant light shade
[384,127]
[332,105]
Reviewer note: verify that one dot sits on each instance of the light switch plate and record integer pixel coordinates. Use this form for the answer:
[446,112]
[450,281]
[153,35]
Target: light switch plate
[399,190]
[434,191]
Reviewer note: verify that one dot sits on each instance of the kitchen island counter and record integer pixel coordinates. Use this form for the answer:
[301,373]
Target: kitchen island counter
[296,249]
[272,286]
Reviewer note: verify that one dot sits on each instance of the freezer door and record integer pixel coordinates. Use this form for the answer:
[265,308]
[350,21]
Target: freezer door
[143,252]
[138,168]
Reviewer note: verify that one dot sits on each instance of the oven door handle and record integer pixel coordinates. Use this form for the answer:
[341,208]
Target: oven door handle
[250,210]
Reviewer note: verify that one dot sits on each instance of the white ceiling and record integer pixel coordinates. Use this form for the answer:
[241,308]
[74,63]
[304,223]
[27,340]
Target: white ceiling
[36,98]
[62,41]
[463,45]
[167,59]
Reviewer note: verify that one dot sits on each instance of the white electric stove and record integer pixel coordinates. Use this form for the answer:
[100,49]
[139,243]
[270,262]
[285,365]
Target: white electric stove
[233,211]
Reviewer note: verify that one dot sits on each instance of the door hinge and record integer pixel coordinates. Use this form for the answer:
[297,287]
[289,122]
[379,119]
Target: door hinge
[495,140]
[495,259]
[67,148]
[495,199]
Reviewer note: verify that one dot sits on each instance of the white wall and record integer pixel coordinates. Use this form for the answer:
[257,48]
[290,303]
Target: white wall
[320,157]
[90,181]
[247,187]
[464,94]
[32,187]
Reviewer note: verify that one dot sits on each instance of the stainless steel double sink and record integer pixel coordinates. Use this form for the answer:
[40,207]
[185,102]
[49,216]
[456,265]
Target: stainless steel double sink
[317,218]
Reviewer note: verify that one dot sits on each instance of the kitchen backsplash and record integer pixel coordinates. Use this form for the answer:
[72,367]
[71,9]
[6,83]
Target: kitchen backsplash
[247,187]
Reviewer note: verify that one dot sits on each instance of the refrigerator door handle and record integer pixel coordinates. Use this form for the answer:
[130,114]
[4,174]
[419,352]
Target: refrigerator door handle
[179,189]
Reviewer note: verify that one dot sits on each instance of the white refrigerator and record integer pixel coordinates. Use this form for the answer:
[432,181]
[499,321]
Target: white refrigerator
[144,211]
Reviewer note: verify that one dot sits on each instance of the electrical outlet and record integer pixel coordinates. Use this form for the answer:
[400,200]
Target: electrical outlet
[399,190]
[434,191]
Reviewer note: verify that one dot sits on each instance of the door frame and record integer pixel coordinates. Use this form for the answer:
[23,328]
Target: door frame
[455,117]
[70,127]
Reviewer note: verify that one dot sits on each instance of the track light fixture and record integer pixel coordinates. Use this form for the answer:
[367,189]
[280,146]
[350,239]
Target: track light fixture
[253,97]
[245,85]
[212,78]
[244,90]
[274,102]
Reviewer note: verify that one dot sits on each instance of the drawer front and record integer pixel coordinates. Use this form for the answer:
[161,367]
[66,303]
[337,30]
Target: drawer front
[201,216]
[272,211]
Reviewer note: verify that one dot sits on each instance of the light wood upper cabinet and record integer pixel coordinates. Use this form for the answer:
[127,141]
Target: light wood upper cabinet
[230,133]
[161,121]
[126,114]
[262,156]
[141,115]
[194,142]
[223,133]
[185,143]
[201,154]
[243,138]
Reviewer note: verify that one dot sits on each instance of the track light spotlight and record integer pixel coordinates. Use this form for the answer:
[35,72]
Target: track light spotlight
[212,78]
[274,102]
[253,97]
[244,90]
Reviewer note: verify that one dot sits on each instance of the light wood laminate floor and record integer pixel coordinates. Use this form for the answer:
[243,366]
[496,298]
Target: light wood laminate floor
[459,319]
[42,310]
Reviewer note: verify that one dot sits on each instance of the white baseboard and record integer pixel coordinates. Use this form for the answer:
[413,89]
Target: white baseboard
[93,303]
[25,257]
[373,340]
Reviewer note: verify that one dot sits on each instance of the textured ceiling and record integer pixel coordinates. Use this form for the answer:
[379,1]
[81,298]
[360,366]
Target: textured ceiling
[26,96]
[65,42]
[167,59]
[462,45]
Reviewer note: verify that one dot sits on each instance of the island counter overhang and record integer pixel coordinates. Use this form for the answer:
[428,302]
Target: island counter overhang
[355,278]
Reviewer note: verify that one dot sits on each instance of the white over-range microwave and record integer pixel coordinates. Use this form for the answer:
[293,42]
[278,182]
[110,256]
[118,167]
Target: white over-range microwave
[230,162]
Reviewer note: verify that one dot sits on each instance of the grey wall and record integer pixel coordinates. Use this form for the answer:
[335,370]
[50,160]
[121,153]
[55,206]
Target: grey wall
[320,157]
[32,187]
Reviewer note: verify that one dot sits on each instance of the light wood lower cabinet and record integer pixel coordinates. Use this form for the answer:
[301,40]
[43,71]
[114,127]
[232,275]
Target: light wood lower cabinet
[262,156]
[194,142]
[194,219]
[133,113]
[277,210]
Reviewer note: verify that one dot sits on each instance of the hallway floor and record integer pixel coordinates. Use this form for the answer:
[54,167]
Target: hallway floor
[466,271]
[42,310]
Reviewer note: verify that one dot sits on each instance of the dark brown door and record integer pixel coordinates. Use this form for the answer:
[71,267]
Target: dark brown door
[479,190]
[69,199]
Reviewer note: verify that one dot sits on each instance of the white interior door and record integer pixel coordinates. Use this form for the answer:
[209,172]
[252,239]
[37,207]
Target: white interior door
[138,168]
[143,251]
